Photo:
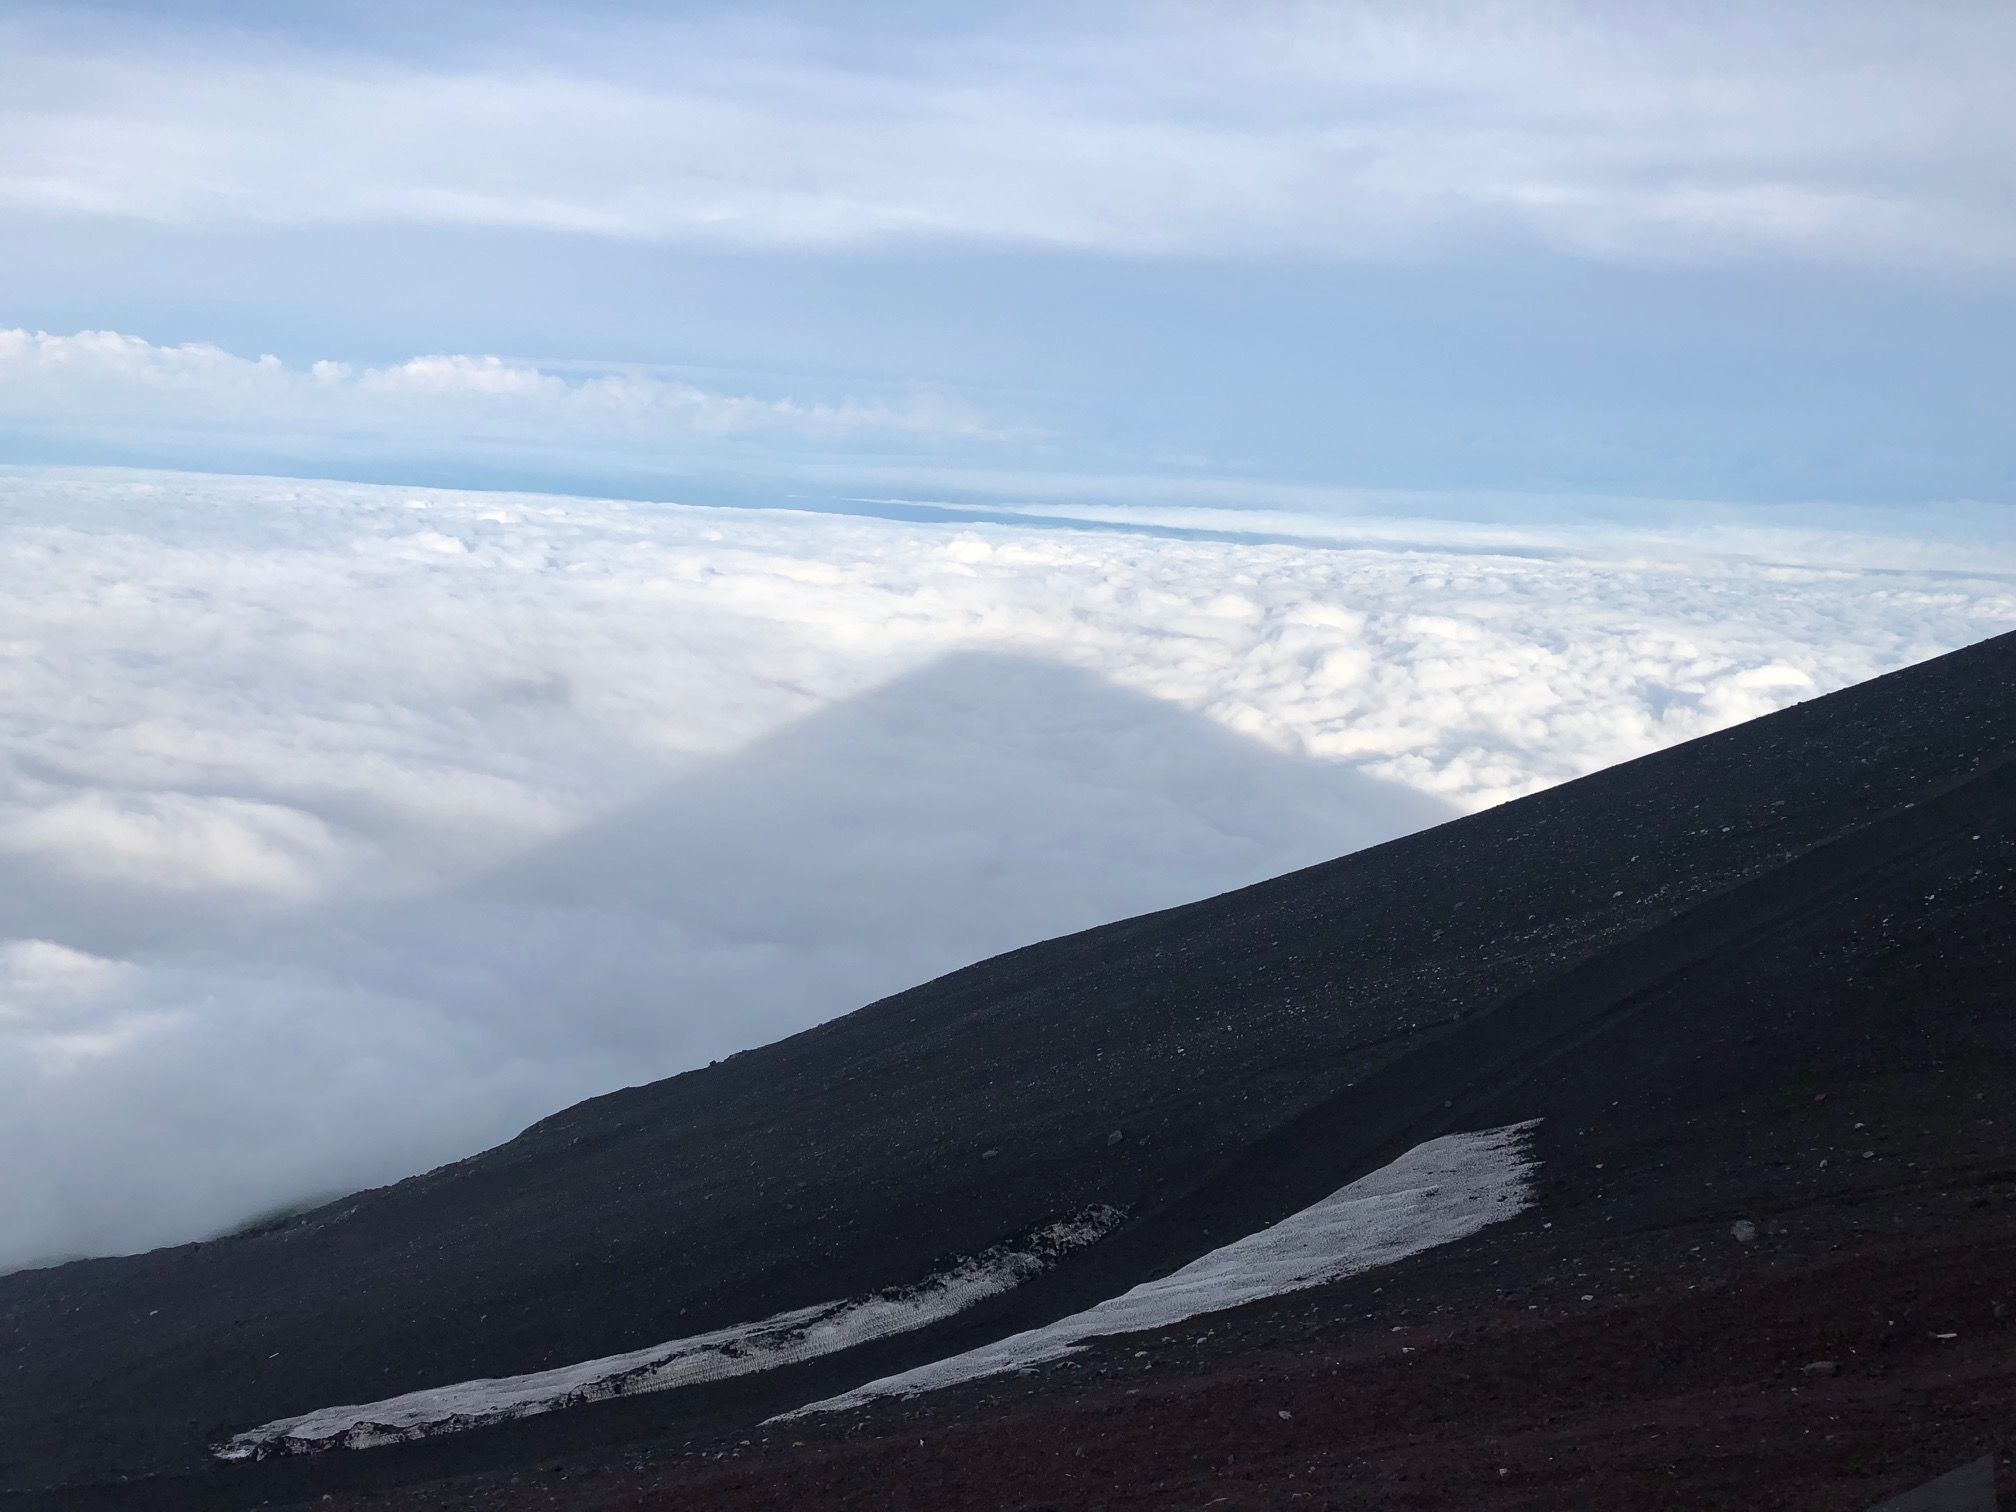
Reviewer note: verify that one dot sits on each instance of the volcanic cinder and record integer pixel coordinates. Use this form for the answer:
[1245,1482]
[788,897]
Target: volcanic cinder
[1755,997]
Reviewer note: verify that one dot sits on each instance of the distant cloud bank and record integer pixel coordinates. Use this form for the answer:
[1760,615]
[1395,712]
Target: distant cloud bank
[347,829]
[105,384]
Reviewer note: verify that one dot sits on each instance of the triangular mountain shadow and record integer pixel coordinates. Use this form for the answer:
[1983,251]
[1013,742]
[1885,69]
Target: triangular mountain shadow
[983,791]
[979,804]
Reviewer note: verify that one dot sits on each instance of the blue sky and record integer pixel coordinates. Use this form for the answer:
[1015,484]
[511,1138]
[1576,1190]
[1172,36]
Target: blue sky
[1751,254]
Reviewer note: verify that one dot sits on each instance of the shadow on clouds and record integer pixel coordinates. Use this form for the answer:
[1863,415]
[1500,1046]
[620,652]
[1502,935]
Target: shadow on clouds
[979,804]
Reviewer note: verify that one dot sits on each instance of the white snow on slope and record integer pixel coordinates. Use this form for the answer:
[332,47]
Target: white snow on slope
[785,1339]
[1443,1190]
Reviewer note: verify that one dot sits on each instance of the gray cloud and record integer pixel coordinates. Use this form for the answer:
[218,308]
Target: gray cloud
[973,806]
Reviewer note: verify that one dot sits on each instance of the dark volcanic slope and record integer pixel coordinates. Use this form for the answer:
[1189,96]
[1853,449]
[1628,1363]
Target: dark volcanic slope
[1773,1264]
[1216,1037]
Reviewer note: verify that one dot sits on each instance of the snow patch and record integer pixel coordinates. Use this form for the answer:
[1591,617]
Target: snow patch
[784,1339]
[1440,1191]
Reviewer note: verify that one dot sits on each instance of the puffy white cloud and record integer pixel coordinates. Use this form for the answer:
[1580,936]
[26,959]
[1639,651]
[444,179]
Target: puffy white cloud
[349,828]
[35,974]
[1839,131]
[168,839]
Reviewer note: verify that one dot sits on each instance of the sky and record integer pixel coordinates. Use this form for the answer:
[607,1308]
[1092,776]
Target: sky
[540,548]
[1755,253]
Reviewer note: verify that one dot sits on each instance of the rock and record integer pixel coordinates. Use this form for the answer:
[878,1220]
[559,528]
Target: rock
[1744,1230]
[1821,1368]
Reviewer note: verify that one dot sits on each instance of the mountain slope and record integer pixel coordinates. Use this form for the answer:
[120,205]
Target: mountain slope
[1773,1263]
[1252,1051]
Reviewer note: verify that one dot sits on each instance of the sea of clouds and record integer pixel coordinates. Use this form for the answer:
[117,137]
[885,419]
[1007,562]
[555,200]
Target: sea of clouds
[347,828]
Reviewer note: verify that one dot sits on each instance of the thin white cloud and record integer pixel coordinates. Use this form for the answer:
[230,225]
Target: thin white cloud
[1926,537]
[349,828]
[1847,131]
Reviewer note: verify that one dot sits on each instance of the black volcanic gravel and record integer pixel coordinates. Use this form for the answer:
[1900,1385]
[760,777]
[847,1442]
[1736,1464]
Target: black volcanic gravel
[1670,961]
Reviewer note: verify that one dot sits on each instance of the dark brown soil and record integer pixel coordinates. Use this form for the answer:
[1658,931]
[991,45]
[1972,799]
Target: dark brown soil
[1480,1377]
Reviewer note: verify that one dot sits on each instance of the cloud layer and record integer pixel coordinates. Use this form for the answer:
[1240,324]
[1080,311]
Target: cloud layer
[1846,131]
[348,828]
